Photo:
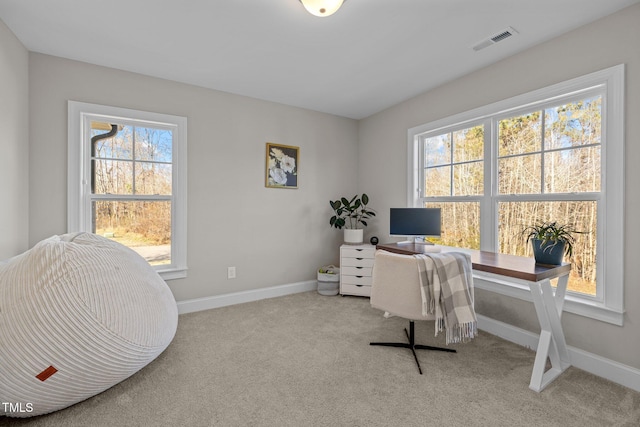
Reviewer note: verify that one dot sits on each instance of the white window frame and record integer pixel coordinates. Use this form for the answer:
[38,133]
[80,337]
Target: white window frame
[79,173]
[608,304]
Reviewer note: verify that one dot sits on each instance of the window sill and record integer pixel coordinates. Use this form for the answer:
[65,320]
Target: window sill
[519,289]
[173,273]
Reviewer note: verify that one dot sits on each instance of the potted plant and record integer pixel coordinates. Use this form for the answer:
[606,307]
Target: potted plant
[551,241]
[352,215]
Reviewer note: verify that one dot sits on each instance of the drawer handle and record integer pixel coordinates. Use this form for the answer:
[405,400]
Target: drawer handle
[359,277]
[359,286]
[359,250]
[359,268]
[359,259]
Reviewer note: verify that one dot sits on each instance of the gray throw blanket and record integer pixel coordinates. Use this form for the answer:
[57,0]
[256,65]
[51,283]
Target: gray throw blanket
[447,291]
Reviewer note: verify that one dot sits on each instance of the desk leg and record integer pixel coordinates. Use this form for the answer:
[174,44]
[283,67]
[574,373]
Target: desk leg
[552,343]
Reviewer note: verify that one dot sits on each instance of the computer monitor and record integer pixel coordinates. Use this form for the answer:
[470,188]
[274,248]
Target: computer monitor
[416,223]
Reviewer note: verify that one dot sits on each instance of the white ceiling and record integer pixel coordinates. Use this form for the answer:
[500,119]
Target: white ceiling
[369,56]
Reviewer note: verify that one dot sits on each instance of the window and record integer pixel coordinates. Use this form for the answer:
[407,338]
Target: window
[127,181]
[453,180]
[553,154]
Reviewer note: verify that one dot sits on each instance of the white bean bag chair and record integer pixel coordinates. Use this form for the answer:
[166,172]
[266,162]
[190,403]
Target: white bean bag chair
[78,314]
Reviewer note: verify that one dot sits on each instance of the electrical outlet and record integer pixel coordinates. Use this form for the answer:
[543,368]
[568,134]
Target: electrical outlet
[231,272]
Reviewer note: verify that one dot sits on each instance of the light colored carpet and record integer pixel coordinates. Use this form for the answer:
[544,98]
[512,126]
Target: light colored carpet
[305,360]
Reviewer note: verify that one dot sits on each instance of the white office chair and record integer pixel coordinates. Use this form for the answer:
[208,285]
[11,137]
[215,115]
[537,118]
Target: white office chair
[396,290]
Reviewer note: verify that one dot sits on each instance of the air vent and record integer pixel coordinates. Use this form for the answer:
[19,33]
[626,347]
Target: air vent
[498,37]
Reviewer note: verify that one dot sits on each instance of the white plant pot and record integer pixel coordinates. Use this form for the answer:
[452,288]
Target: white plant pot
[353,236]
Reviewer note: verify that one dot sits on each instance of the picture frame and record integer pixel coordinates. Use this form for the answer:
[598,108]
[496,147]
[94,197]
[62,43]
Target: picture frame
[282,162]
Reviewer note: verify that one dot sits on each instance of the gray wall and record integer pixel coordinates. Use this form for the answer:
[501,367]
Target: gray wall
[272,236]
[607,42]
[14,145]
[279,236]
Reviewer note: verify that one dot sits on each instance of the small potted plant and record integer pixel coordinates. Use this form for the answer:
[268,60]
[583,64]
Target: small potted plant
[352,215]
[551,241]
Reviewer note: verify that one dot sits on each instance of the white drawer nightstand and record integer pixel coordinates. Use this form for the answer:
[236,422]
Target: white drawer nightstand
[356,266]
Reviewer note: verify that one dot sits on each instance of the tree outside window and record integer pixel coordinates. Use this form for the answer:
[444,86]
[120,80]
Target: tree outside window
[135,162]
[548,168]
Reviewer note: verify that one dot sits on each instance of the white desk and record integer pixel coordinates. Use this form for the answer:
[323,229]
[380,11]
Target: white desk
[548,304]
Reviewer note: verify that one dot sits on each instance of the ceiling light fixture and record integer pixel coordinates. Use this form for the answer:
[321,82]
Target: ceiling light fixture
[322,8]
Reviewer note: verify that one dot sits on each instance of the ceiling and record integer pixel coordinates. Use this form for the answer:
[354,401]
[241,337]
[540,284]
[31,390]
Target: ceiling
[369,56]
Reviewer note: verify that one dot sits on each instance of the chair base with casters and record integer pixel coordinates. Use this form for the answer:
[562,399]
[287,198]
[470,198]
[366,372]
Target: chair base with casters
[411,345]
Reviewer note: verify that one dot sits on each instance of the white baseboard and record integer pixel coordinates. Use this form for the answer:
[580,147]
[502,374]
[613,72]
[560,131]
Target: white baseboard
[592,363]
[206,303]
[589,362]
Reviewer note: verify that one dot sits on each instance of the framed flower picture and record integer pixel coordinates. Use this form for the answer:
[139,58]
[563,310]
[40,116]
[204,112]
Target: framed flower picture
[282,166]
